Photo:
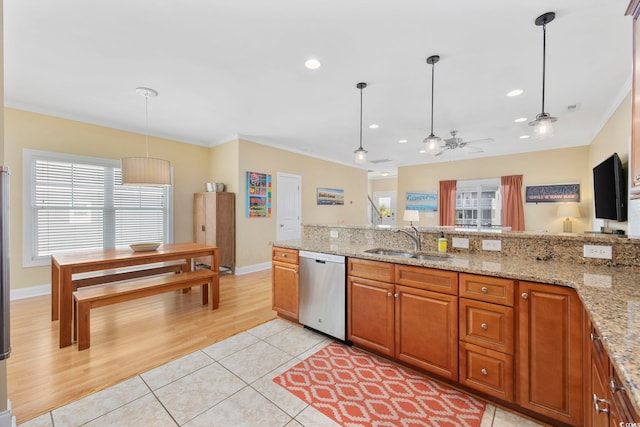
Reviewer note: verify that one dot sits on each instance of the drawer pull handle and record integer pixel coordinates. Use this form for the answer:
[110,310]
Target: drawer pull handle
[596,405]
[525,295]
[485,373]
[594,337]
[484,289]
[484,326]
[615,387]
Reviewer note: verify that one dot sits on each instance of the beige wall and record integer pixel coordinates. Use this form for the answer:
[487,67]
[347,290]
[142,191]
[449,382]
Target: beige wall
[39,132]
[254,235]
[383,184]
[224,165]
[542,167]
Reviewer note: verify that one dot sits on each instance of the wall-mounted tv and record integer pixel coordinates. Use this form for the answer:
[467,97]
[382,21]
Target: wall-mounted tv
[610,189]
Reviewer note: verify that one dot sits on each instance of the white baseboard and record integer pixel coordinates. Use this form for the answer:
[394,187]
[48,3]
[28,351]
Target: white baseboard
[32,291]
[253,268]
[36,291]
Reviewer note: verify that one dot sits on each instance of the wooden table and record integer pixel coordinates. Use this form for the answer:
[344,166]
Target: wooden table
[65,264]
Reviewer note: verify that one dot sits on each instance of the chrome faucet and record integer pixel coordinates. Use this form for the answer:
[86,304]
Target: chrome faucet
[415,236]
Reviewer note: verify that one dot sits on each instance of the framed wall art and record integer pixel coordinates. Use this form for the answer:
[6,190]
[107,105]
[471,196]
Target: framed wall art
[330,196]
[258,195]
[552,193]
[426,201]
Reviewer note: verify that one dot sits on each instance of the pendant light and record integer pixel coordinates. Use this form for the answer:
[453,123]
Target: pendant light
[146,170]
[361,153]
[543,124]
[432,142]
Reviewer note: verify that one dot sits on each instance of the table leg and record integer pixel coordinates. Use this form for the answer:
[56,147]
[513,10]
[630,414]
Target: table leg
[55,290]
[66,306]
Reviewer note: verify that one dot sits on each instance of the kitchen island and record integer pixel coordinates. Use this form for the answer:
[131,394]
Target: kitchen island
[607,289]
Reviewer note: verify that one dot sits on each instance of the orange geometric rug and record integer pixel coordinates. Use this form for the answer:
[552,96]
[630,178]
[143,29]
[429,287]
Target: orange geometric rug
[355,388]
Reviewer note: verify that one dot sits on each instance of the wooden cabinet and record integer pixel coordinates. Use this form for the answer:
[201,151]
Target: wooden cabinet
[549,352]
[214,224]
[487,334]
[285,282]
[606,401]
[409,323]
[634,156]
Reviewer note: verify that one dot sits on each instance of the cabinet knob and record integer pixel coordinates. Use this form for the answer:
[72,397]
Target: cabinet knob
[484,289]
[484,326]
[525,295]
[637,177]
[484,372]
[596,405]
[389,294]
[396,295]
[615,387]
[284,255]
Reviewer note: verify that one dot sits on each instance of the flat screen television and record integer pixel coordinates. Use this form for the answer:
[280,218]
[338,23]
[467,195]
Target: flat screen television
[610,189]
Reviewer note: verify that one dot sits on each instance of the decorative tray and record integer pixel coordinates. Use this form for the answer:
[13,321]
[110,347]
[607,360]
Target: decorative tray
[139,247]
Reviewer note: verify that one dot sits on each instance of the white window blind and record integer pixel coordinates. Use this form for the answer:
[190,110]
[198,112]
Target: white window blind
[80,203]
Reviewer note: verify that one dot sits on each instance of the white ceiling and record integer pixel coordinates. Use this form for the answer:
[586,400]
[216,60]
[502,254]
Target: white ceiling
[228,68]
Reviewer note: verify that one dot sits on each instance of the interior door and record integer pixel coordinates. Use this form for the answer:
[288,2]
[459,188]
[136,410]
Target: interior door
[385,201]
[288,206]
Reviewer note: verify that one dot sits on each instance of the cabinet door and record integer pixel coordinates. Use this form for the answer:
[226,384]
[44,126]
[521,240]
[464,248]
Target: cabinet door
[634,168]
[549,371]
[371,314]
[427,330]
[600,407]
[285,289]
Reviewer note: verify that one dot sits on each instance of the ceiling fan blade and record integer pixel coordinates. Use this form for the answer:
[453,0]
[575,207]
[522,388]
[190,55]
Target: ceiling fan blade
[479,141]
[472,149]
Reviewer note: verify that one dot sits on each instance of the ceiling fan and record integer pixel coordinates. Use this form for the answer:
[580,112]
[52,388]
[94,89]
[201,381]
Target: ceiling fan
[454,143]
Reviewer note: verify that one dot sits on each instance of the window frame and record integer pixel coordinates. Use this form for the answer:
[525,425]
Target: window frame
[29,156]
[478,186]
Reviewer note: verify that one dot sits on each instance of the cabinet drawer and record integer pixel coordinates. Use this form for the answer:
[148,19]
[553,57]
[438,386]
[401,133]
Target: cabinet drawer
[374,270]
[284,255]
[486,370]
[621,399]
[487,325]
[428,279]
[486,288]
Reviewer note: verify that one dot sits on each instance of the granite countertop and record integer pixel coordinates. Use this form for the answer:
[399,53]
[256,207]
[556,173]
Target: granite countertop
[611,295]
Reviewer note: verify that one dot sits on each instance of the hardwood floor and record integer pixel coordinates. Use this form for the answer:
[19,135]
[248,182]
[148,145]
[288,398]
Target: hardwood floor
[126,339]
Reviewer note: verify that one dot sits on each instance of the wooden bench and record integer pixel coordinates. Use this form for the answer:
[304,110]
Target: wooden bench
[97,296]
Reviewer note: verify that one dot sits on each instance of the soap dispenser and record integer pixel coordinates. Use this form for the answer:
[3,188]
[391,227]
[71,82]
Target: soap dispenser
[442,243]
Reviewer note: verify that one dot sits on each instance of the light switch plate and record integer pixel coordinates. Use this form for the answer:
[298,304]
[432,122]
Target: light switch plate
[491,245]
[460,242]
[597,251]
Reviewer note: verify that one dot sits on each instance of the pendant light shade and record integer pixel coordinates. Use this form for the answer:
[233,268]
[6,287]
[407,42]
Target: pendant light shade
[146,170]
[543,124]
[361,153]
[432,142]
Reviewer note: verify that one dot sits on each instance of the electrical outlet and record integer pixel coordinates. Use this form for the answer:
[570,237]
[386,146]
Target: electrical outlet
[333,234]
[597,251]
[460,242]
[491,245]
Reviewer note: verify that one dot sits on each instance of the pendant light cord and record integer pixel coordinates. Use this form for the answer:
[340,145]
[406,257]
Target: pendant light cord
[360,118]
[433,68]
[544,60]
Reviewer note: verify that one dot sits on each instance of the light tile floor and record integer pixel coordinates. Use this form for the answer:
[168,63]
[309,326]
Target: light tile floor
[226,384]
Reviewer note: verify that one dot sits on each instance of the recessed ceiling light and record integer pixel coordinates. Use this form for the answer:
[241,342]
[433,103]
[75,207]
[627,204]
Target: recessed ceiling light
[520,119]
[374,126]
[515,92]
[384,173]
[524,136]
[422,151]
[403,141]
[312,64]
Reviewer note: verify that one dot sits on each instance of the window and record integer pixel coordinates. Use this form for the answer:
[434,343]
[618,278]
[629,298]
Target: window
[478,203]
[73,202]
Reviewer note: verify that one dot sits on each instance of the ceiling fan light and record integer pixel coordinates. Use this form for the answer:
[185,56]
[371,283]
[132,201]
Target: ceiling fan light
[361,156]
[432,144]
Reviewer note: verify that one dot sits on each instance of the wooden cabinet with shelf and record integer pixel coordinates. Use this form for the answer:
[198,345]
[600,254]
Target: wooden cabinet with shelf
[285,282]
[487,334]
[401,317]
[214,224]
[549,352]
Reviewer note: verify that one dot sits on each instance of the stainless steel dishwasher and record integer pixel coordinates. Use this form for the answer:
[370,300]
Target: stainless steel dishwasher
[323,293]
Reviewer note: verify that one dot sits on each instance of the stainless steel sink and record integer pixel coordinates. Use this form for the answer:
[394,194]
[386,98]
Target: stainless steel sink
[390,252]
[406,254]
